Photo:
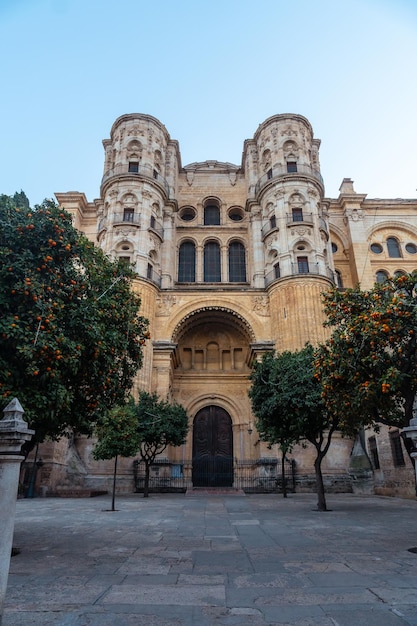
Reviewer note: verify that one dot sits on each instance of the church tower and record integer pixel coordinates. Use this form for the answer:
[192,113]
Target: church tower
[290,231]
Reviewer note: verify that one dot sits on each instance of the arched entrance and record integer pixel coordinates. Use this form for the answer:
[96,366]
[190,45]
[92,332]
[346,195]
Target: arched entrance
[212,448]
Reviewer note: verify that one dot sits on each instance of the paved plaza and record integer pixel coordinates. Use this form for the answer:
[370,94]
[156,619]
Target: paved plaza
[214,560]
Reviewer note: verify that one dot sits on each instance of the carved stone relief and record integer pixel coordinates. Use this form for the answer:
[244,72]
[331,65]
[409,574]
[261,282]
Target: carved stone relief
[354,214]
[301,231]
[165,304]
[289,131]
[261,305]
[124,231]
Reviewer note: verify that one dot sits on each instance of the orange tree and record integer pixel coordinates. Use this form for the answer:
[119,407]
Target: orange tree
[159,424]
[71,337]
[117,435]
[287,402]
[368,367]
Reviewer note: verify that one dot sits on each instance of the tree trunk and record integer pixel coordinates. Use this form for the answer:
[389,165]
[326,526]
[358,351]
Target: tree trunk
[321,498]
[146,485]
[284,485]
[114,483]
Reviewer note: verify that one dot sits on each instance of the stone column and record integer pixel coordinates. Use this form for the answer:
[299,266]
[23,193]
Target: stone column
[13,433]
[411,433]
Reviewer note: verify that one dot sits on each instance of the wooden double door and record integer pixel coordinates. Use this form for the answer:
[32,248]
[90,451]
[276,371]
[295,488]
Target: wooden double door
[212,448]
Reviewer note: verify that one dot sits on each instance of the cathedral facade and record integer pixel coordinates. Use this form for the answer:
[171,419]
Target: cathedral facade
[231,261]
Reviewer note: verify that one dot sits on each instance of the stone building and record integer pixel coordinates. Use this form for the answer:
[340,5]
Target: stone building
[231,261]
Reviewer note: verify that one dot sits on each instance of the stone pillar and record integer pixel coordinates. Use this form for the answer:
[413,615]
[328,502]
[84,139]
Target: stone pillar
[13,433]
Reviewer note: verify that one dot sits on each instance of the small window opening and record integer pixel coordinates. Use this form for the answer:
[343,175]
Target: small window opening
[133,166]
[396,448]
[302,263]
[128,215]
[291,166]
[373,452]
[297,215]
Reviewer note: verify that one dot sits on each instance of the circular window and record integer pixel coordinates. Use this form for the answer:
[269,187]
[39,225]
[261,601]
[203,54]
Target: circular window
[236,215]
[411,248]
[187,214]
[376,248]
[301,247]
[125,248]
[334,247]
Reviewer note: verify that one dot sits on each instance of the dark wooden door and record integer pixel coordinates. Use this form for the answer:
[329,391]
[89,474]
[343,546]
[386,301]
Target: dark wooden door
[212,448]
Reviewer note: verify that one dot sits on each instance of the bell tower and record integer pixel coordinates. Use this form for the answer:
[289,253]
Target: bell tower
[137,188]
[290,232]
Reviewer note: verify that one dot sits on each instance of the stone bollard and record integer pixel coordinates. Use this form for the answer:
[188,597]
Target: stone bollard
[14,432]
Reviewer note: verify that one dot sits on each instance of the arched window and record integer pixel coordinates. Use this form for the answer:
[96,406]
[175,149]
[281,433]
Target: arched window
[211,215]
[381,276]
[212,273]
[393,248]
[186,263]
[237,262]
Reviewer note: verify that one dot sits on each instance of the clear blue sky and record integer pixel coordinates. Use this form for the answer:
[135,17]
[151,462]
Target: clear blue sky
[211,71]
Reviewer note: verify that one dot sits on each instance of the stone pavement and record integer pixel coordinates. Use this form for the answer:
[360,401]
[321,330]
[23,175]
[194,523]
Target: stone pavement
[214,560]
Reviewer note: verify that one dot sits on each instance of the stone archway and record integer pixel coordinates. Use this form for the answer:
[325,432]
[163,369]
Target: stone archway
[212,448]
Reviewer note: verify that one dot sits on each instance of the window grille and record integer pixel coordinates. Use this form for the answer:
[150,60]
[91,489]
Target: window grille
[186,263]
[211,215]
[373,452]
[393,248]
[212,273]
[237,263]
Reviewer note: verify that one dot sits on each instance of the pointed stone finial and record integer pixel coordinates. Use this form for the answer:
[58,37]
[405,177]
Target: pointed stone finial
[13,428]
[13,409]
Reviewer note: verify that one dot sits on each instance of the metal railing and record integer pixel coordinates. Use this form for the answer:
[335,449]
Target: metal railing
[144,171]
[280,171]
[267,228]
[314,269]
[304,218]
[126,218]
[119,218]
[152,276]
[157,227]
[251,476]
